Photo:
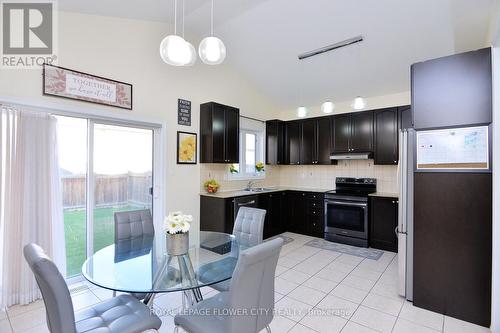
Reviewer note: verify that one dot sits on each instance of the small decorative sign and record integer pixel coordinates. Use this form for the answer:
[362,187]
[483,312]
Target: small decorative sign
[67,83]
[183,112]
[186,148]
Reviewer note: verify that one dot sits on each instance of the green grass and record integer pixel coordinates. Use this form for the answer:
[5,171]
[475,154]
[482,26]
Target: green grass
[75,234]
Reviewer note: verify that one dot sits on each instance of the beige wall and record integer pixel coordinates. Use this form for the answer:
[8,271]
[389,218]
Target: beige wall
[127,50]
[376,102]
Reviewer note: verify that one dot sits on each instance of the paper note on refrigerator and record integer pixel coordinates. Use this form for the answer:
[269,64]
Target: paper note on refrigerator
[457,148]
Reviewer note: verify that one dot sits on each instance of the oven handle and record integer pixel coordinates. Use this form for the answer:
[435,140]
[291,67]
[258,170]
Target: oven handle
[343,203]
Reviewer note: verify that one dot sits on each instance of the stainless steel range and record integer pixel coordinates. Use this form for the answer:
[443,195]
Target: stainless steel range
[346,211]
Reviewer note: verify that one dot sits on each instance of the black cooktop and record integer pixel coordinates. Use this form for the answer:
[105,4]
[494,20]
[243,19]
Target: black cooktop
[359,187]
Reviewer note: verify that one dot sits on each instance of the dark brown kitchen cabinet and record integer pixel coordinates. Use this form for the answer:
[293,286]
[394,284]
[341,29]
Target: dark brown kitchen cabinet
[405,117]
[275,142]
[273,204]
[341,133]
[308,141]
[219,133]
[296,204]
[386,136]
[361,132]
[216,214]
[383,223]
[323,137]
[292,142]
[315,143]
[353,132]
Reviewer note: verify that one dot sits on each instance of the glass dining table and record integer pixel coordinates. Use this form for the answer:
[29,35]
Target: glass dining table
[142,266]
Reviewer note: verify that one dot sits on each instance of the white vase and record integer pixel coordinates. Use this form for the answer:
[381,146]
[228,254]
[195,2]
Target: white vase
[178,244]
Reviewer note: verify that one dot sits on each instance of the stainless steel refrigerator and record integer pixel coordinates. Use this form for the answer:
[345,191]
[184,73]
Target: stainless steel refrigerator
[405,217]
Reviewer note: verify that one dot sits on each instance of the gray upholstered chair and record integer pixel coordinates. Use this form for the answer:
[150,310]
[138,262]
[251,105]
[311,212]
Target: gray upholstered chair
[249,231]
[251,291]
[122,314]
[132,224]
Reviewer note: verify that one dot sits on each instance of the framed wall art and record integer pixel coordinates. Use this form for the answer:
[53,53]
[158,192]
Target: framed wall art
[186,148]
[68,83]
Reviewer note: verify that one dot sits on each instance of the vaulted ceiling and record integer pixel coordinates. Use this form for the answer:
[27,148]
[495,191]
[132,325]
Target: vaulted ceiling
[264,37]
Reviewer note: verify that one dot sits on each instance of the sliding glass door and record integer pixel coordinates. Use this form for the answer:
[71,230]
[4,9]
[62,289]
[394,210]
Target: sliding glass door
[122,176]
[105,168]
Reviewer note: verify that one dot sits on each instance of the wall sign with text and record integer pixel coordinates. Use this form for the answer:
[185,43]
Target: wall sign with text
[67,83]
[183,112]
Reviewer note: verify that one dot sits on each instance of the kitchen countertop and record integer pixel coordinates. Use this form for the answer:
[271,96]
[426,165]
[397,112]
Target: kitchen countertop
[242,193]
[384,194]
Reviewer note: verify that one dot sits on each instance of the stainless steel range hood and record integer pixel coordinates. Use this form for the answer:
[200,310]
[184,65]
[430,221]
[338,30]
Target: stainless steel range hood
[351,156]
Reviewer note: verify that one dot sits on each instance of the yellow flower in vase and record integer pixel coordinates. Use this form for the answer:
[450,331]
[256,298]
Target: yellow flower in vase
[259,167]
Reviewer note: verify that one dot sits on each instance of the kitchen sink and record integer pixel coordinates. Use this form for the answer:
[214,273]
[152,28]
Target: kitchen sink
[258,189]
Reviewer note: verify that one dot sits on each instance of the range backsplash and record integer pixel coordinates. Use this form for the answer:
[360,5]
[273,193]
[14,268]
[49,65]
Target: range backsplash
[315,176]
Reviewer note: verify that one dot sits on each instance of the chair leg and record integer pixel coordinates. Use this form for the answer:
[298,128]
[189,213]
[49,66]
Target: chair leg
[268,329]
[176,329]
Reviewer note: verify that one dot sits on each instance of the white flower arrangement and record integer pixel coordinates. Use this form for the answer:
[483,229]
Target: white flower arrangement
[177,223]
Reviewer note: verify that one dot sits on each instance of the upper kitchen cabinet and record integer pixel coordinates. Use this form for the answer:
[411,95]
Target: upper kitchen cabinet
[275,142]
[308,141]
[219,133]
[292,142]
[386,136]
[323,137]
[353,133]
[452,91]
[405,117]
[341,133]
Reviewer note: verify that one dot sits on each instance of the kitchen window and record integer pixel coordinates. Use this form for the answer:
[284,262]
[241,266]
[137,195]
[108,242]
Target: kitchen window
[251,153]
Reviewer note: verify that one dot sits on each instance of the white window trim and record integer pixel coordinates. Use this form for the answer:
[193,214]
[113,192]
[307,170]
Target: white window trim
[259,152]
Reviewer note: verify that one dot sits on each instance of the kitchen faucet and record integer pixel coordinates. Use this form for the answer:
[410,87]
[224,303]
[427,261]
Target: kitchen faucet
[250,184]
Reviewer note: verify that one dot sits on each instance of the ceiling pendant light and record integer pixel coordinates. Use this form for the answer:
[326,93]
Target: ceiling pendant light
[327,107]
[359,103]
[212,50]
[174,50]
[301,112]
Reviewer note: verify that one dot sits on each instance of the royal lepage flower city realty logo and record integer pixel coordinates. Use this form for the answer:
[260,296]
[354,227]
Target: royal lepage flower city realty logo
[29,34]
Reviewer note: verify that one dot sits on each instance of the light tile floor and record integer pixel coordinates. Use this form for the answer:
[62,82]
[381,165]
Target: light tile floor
[358,295]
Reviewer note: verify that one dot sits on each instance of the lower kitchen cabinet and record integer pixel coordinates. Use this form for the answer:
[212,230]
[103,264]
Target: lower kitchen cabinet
[383,223]
[216,214]
[273,204]
[295,211]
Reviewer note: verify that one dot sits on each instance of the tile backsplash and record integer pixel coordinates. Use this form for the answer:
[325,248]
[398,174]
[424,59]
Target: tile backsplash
[315,176]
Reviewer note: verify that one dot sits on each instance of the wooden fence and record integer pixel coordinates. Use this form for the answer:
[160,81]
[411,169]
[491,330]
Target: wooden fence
[110,190]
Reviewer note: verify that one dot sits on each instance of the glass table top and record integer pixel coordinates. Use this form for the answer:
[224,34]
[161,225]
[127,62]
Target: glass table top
[141,265]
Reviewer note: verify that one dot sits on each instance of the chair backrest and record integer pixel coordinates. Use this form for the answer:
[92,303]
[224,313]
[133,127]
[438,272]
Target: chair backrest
[252,287]
[55,292]
[249,226]
[135,223]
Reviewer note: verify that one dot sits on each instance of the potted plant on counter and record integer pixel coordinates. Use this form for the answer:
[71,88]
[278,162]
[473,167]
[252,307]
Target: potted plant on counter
[176,227]
[211,186]
[259,167]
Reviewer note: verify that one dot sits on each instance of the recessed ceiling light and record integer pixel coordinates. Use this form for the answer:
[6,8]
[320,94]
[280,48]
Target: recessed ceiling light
[359,103]
[327,107]
[301,112]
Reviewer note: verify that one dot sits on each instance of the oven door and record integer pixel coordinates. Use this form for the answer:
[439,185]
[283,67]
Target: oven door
[346,218]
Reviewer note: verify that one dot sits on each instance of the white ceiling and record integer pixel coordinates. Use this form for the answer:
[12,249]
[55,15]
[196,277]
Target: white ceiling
[264,37]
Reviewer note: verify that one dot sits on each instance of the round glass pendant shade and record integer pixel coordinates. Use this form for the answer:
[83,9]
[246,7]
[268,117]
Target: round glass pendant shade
[327,107]
[212,51]
[301,111]
[174,50]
